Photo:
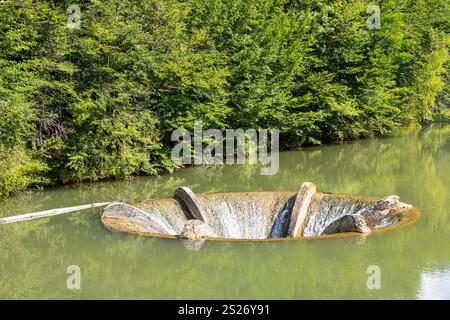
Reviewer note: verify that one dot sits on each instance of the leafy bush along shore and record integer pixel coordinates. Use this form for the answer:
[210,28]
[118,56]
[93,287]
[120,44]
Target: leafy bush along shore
[101,101]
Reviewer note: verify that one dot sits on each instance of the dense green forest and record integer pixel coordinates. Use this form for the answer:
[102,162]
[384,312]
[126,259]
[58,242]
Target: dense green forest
[101,100]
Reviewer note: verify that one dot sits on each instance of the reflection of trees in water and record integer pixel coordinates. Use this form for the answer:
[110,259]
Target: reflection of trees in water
[131,267]
[34,255]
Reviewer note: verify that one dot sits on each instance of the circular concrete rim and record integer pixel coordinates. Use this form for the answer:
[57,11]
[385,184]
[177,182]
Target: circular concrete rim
[412,217]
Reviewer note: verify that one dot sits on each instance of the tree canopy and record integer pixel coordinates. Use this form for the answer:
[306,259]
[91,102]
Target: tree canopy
[100,100]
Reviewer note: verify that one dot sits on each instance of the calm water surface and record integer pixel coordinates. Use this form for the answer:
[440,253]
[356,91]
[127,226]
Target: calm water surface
[414,261]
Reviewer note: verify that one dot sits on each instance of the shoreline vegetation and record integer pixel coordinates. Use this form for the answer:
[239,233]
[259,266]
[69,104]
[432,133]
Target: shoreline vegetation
[100,101]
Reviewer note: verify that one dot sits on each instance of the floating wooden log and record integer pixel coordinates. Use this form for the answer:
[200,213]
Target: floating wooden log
[300,209]
[387,210]
[189,201]
[50,213]
[348,223]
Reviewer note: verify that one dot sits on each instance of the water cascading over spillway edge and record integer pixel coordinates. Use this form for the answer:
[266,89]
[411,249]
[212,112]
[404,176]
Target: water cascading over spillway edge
[255,215]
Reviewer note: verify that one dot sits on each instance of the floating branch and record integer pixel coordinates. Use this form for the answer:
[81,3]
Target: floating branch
[50,213]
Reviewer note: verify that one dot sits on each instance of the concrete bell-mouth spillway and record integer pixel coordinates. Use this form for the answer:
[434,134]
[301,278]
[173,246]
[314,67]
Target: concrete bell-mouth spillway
[258,216]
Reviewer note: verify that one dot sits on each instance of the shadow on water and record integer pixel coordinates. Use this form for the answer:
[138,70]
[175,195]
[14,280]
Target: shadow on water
[414,261]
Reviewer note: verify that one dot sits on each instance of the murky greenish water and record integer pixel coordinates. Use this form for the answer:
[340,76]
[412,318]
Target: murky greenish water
[414,261]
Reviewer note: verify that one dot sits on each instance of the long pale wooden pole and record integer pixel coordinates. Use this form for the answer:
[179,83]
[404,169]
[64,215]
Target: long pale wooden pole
[50,213]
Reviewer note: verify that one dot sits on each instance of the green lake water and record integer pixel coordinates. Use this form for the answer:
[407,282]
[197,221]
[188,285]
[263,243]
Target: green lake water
[414,260]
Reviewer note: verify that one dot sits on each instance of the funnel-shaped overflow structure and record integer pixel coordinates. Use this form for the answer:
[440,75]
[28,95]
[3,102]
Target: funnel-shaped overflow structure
[258,215]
